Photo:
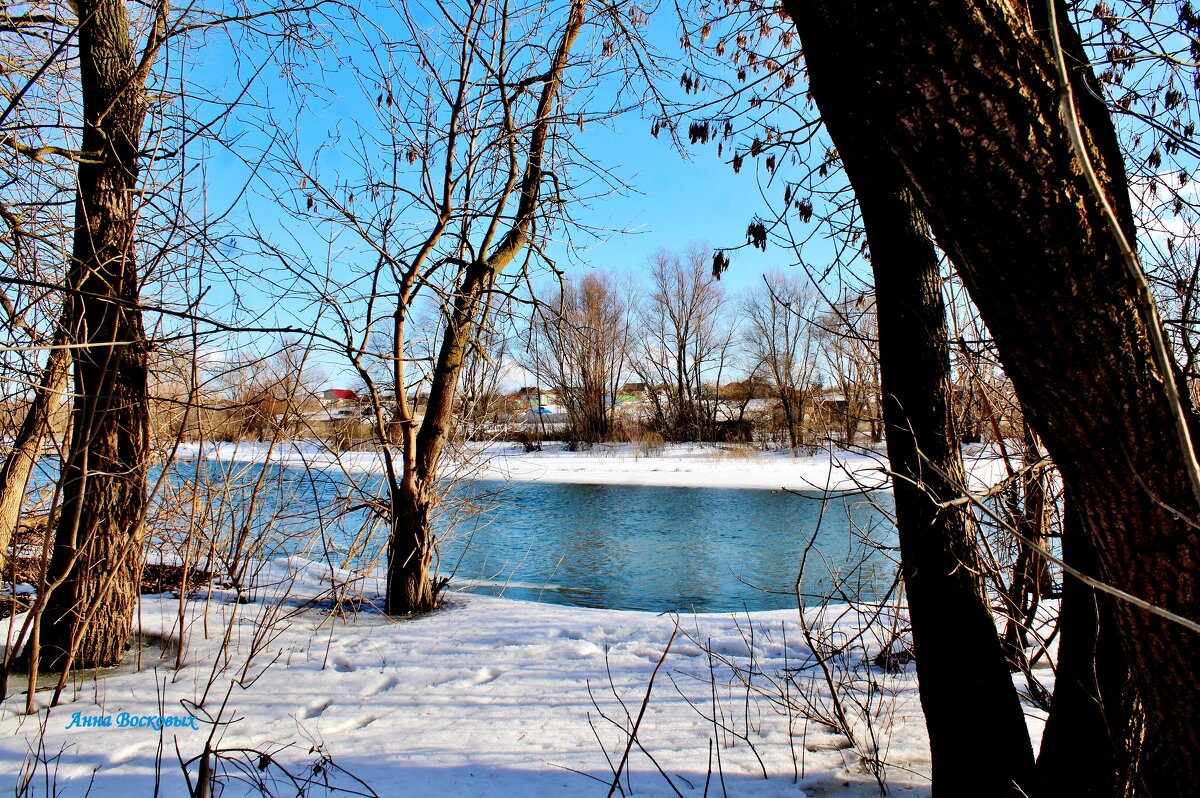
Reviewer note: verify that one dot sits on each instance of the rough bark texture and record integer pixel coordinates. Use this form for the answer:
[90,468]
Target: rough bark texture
[1090,745]
[27,443]
[965,95]
[97,548]
[978,741]
[977,736]
[410,587]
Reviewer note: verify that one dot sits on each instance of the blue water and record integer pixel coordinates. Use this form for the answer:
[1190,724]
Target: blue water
[654,548]
[609,546]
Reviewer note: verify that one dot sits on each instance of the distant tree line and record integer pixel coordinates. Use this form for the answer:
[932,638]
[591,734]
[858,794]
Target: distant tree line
[699,355]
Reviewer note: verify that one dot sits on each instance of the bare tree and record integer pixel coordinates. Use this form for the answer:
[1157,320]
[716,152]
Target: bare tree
[410,588]
[97,103]
[781,336]
[850,345]
[461,179]
[265,393]
[683,343]
[902,318]
[908,87]
[581,350]
[1026,191]
[98,543]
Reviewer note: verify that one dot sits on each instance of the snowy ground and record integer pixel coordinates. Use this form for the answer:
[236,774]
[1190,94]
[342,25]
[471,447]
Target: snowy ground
[488,697]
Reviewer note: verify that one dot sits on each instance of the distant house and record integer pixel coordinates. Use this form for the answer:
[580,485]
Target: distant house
[332,414]
[832,399]
[339,395]
[545,414]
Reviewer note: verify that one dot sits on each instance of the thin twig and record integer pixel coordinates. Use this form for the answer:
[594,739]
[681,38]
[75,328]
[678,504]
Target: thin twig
[641,712]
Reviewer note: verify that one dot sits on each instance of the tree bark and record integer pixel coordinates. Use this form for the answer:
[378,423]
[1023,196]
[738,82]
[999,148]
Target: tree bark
[410,585]
[97,547]
[978,741]
[1090,744]
[967,98]
[27,444]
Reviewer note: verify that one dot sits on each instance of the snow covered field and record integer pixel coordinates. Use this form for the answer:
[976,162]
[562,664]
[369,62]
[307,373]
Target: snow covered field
[489,697]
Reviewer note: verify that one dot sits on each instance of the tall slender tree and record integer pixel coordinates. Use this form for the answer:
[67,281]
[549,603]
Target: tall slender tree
[781,337]
[465,173]
[977,736]
[121,242]
[580,347]
[410,553]
[681,342]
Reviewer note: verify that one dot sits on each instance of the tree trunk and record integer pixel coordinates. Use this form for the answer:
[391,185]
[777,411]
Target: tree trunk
[978,741]
[967,98]
[786,399]
[1090,745]
[410,551]
[410,585]
[97,548]
[27,444]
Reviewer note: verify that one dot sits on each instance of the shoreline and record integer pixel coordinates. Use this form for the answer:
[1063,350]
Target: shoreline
[677,465]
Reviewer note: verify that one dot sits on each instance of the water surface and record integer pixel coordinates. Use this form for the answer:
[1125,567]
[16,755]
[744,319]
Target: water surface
[610,546]
[657,548]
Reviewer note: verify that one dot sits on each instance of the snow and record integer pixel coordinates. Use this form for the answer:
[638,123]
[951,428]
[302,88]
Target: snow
[487,697]
[675,465]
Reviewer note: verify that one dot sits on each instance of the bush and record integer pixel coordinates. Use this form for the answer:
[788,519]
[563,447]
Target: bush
[647,443]
[530,441]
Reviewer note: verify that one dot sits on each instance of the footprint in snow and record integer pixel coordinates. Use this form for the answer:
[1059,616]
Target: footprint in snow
[390,683]
[343,665]
[486,676]
[315,709]
[124,755]
[479,677]
[352,724]
[584,648]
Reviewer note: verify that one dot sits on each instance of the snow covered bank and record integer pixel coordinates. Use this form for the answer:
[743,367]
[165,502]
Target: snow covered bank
[489,697]
[677,465]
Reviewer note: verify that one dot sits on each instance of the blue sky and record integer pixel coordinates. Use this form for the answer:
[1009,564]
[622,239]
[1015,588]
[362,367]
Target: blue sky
[673,200]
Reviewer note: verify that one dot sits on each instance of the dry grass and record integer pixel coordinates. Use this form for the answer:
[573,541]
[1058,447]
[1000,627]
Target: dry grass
[156,578]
